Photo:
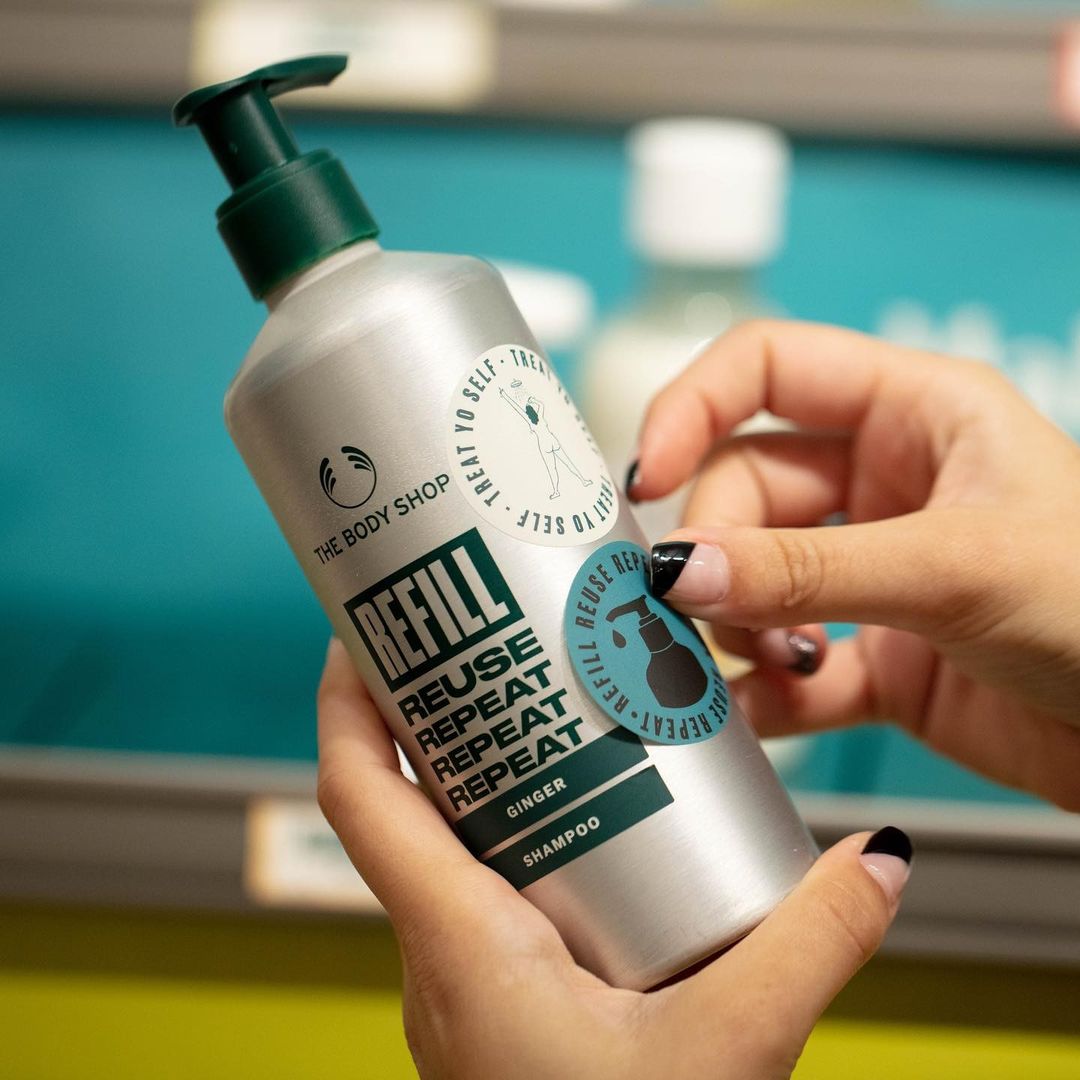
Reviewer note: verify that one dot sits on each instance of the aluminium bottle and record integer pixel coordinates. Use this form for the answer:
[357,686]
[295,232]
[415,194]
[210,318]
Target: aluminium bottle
[471,549]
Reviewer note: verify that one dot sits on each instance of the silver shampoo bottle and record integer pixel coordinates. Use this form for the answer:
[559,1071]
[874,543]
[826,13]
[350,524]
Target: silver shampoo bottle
[455,519]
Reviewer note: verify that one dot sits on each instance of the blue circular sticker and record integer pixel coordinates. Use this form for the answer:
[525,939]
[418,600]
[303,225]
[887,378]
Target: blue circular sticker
[641,662]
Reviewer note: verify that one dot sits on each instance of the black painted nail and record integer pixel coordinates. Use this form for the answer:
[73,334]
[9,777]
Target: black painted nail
[631,480]
[666,564]
[807,655]
[890,841]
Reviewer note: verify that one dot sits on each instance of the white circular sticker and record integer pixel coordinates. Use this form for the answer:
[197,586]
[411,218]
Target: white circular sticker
[522,455]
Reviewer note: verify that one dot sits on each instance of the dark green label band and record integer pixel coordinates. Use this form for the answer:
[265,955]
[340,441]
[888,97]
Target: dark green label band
[582,829]
[432,610]
[550,790]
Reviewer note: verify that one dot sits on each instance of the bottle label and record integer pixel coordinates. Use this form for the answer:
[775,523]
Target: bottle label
[641,662]
[530,784]
[522,455]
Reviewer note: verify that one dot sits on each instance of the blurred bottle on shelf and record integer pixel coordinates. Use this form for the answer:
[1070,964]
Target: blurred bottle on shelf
[559,308]
[1046,369]
[706,212]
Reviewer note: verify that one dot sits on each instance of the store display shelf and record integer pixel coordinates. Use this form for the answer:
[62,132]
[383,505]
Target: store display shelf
[915,73]
[994,883]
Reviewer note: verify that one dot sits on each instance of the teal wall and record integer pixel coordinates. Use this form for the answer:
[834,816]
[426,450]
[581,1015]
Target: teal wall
[146,597]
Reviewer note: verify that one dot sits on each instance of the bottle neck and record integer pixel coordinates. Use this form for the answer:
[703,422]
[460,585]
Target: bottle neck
[664,280]
[699,301]
[323,268]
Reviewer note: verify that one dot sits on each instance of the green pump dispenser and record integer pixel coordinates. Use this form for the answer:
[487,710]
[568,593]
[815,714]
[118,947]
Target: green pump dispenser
[287,210]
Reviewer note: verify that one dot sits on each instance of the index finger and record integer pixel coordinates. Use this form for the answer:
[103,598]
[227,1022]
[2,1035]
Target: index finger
[821,377]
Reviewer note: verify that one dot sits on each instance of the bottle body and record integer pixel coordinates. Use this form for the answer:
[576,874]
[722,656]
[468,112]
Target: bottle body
[449,509]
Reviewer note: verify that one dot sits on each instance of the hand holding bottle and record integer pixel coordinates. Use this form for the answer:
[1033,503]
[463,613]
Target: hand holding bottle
[491,990]
[959,556]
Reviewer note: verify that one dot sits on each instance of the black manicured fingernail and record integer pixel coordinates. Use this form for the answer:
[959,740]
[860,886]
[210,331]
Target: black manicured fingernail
[890,841]
[631,480]
[807,655]
[666,564]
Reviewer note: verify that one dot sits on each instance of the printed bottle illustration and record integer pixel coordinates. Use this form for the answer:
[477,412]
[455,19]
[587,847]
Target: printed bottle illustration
[547,442]
[674,674]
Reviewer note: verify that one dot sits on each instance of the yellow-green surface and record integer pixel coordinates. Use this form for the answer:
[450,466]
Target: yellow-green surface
[113,995]
[845,1048]
[116,1027]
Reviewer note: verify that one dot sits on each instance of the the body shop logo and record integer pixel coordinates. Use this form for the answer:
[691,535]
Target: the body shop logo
[350,481]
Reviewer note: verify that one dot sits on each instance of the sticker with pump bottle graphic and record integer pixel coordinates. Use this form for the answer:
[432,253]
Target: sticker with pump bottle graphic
[641,662]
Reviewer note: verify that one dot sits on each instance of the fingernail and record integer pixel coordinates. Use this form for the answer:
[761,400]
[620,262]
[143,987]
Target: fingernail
[692,573]
[887,858]
[789,649]
[631,480]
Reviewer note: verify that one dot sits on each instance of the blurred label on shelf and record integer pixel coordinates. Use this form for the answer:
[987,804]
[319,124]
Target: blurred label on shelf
[1045,369]
[1068,74]
[293,859]
[403,54]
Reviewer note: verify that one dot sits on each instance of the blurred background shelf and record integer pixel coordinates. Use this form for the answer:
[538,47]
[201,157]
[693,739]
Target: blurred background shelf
[999,78]
[994,883]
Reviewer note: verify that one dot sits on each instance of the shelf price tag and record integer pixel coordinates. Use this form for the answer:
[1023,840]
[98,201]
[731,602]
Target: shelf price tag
[403,54]
[293,859]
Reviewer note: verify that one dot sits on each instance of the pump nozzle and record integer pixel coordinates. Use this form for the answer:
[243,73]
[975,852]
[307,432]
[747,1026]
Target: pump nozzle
[636,607]
[241,127]
[288,210]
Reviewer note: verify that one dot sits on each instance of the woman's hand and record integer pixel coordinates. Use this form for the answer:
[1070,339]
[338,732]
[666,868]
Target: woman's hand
[961,556]
[490,989]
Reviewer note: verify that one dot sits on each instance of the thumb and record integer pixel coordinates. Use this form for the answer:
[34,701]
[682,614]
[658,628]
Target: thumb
[785,973]
[915,572]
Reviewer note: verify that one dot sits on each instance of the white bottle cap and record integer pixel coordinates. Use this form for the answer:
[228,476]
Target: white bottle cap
[557,306]
[707,192]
